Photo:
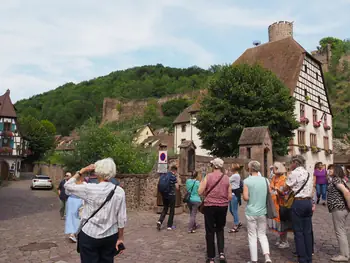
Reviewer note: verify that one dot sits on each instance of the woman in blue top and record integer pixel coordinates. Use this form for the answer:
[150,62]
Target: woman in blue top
[192,186]
[73,206]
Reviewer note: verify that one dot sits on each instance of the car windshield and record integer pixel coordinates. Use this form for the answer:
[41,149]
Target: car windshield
[42,177]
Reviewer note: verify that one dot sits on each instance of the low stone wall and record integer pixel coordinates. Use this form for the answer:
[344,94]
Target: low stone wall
[55,172]
[203,164]
[140,189]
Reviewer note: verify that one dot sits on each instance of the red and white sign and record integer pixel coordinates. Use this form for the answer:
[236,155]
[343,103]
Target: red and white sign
[163,157]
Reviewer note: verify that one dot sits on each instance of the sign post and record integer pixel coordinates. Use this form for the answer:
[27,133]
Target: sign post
[162,162]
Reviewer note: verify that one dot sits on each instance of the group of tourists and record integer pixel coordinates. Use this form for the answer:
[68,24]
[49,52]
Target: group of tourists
[293,196]
[94,209]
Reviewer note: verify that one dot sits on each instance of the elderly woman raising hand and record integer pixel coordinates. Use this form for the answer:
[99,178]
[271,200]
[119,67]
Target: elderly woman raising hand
[101,234]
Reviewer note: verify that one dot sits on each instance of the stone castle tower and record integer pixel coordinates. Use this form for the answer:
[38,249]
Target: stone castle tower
[280,30]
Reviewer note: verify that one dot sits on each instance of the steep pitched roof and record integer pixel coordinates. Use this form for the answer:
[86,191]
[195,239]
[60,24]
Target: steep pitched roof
[6,107]
[253,135]
[184,116]
[164,139]
[283,57]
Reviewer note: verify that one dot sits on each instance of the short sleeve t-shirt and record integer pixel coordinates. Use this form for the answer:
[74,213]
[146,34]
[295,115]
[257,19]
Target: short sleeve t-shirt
[257,190]
[195,198]
[235,180]
[296,180]
[335,198]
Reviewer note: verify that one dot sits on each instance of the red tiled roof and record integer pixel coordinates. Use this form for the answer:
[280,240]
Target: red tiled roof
[6,107]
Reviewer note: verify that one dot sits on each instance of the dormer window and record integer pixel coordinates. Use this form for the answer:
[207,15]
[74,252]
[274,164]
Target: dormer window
[183,127]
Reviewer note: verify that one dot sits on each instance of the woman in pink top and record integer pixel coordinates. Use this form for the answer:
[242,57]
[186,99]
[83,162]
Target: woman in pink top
[217,191]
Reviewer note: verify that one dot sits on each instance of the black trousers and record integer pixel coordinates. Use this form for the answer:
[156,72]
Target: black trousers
[168,202]
[94,250]
[215,221]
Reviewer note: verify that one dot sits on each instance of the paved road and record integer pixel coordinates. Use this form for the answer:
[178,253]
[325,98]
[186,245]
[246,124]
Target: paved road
[28,217]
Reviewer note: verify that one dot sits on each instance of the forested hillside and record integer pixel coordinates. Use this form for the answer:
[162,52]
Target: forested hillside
[338,83]
[70,105]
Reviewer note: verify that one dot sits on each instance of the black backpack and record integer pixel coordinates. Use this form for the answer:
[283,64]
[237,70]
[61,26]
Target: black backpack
[164,183]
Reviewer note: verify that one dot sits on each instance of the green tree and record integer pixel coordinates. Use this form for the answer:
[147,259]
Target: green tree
[245,96]
[96,143]
[173,108]
[151,112]
[41,135]
[70,105]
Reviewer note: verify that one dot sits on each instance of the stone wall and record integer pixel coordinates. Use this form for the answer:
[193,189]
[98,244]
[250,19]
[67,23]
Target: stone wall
[140,189]
[117,110]
[55,172]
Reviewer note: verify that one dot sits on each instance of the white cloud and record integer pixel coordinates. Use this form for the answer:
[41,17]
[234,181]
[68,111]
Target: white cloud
[62,40]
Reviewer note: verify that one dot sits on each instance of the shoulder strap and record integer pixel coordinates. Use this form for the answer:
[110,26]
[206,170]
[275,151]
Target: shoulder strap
[301,188]
[109,197]
[193,185]
[212,188]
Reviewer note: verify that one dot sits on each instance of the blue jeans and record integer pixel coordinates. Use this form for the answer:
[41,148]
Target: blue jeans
[234,209]
[302,227]
[321,190]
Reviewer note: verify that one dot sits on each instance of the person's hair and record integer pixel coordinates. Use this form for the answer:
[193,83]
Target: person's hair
[105,168]
[317,164]
[338,171]
[235,167]
[299,160]
[281,169]
[194,175]
[330,166]
[254,166]
[173,168]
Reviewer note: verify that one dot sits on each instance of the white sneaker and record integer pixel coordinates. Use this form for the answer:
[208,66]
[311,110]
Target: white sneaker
[267,259]
[339,259]
[283,245]
[278,243]
[73,238]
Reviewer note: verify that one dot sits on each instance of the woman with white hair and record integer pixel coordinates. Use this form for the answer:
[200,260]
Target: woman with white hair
[217,193]
[278,182]
[101,233]
[255,193]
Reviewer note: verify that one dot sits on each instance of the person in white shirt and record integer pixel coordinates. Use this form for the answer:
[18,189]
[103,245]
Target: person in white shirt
[100,237]
[302,182]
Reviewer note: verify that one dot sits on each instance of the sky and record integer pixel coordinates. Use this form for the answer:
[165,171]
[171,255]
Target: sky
[44,44]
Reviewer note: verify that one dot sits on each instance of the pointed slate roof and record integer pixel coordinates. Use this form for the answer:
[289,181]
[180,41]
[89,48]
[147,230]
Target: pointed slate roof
[6,107]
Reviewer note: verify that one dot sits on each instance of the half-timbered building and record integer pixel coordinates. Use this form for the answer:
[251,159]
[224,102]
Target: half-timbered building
[303,75]
[13,147]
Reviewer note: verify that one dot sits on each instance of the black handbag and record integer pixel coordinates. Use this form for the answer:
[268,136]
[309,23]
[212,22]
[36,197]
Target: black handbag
[285,212]
[187,196]
[109,197]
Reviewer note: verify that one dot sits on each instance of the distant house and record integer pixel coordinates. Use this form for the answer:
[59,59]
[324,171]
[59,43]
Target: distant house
[303,75]
[185,130]
[66,143]
[142,133]
[162,139]
[13,146]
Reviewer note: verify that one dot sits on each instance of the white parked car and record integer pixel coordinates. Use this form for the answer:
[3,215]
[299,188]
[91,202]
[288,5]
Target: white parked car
[41,181]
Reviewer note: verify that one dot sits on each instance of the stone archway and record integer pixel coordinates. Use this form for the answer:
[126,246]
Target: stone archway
[4,170]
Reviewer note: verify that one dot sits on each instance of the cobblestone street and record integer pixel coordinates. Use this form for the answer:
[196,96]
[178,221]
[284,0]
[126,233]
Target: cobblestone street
[28,217]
